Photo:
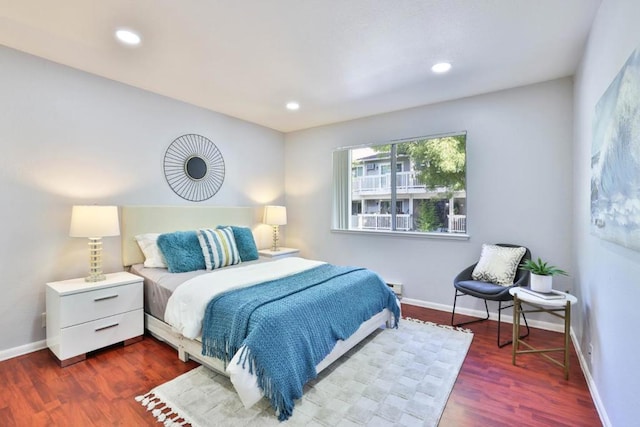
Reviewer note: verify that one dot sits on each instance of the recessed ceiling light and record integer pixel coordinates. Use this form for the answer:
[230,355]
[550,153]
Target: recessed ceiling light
[128,37]
[293,106]
[441,67]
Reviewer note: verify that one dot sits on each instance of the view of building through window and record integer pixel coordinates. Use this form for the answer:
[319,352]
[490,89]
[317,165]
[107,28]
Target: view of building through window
[416,185]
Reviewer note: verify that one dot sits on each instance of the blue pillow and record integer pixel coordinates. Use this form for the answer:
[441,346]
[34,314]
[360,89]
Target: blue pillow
[181,251]
[244,241]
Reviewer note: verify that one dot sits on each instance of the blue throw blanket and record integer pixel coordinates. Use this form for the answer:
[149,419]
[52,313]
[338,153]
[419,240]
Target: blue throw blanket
[289,325]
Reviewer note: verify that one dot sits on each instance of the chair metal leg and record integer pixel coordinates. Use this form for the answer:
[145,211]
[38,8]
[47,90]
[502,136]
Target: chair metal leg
[459,294]
[453,312]
[486,307]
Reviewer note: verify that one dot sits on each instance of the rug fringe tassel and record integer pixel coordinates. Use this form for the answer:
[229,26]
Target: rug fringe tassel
[158,409]
[426,322]
[156,412]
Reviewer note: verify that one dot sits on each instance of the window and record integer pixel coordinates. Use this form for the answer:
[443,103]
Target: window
[386,168]
[427,186]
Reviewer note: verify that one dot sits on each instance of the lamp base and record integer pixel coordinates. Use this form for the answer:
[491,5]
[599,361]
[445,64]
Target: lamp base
[95,261]
[274,246]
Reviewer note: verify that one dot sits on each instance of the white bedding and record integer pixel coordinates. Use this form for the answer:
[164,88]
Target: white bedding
[186,306]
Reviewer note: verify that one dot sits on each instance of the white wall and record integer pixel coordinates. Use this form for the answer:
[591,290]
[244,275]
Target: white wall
[607,275]
[519,186]
[68,137]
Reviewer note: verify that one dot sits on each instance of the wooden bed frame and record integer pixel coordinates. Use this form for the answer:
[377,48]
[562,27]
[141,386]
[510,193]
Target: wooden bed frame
[161,219]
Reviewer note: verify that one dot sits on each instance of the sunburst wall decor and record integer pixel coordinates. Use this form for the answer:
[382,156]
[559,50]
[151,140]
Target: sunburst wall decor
[194,167]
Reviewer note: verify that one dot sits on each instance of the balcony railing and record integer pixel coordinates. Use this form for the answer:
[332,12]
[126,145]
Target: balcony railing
[457,223]
[406,182]
[380,222]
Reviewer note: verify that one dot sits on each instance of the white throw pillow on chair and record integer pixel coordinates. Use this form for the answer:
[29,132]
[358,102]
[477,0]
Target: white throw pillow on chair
[498,264]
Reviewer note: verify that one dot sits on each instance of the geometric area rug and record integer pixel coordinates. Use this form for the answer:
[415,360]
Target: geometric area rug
[394,377]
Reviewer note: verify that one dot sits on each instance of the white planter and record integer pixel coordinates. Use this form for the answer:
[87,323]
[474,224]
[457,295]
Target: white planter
[541,283]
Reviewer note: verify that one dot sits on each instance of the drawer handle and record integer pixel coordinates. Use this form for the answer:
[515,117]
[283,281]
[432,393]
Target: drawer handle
[107,297]
[107,327]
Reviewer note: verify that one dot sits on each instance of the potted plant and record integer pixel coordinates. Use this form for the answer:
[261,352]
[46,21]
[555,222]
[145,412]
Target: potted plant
[541,274]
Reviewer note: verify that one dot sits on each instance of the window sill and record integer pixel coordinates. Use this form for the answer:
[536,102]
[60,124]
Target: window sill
[410,234]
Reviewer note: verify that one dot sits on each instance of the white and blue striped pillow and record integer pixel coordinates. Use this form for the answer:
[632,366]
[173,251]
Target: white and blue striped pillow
[218,247]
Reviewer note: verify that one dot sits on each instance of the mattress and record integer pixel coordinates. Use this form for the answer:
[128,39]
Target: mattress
[159,284]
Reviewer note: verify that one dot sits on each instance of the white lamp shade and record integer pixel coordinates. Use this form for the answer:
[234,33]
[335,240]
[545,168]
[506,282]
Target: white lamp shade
[94,221]
[275,215]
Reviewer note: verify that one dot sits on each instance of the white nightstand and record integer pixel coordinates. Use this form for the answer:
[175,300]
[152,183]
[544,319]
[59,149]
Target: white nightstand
[282,253]
[84,316]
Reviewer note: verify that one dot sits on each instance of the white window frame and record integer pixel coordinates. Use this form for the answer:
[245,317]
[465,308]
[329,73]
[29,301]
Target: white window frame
[342,223]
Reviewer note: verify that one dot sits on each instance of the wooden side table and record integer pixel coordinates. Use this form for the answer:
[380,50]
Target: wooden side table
[557,307]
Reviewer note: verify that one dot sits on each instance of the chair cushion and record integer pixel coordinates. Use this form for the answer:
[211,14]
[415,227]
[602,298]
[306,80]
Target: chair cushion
[484,290]
[498,264]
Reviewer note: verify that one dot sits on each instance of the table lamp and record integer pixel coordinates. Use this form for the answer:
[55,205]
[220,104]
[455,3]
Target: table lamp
[94,222]
[275,216]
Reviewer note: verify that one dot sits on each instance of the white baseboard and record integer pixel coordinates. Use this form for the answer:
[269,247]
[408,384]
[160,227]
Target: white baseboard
[604,418]
[506,317]
[10,353]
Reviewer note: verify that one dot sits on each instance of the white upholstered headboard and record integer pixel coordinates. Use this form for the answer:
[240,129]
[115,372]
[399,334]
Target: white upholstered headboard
[164,219]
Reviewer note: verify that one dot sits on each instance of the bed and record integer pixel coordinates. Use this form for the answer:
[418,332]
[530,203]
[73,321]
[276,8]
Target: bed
[161,287]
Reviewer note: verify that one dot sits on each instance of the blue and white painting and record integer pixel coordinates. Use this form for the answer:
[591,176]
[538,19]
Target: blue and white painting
[615,160]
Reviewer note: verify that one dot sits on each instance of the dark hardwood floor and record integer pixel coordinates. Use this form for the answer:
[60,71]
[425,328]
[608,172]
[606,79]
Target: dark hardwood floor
[489,391]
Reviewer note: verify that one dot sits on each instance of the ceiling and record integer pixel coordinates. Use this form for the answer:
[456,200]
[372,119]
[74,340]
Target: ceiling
[339,59]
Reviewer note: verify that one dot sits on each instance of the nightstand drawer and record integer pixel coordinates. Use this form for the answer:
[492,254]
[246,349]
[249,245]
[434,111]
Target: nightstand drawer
[100,333]
[99,303]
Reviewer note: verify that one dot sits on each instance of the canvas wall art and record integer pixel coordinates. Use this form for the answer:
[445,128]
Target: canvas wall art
[615,160]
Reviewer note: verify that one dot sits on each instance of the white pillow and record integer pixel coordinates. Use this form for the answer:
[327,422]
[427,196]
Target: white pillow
[149,246]
[498,264]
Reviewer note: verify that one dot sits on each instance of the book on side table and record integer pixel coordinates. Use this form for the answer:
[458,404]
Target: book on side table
[544,295]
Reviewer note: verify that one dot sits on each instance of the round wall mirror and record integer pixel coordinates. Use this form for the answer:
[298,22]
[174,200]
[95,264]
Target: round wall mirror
[194,167]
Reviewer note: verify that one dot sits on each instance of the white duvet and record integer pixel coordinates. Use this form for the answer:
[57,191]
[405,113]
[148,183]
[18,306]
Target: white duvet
[186,306]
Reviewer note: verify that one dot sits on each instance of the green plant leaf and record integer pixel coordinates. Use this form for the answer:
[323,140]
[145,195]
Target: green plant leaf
[541,268]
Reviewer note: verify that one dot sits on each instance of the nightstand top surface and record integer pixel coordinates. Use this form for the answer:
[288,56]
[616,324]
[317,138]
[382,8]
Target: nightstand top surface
[74,286]
[280,252]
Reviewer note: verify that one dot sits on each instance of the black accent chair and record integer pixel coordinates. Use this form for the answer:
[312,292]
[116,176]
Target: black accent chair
[465,285]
